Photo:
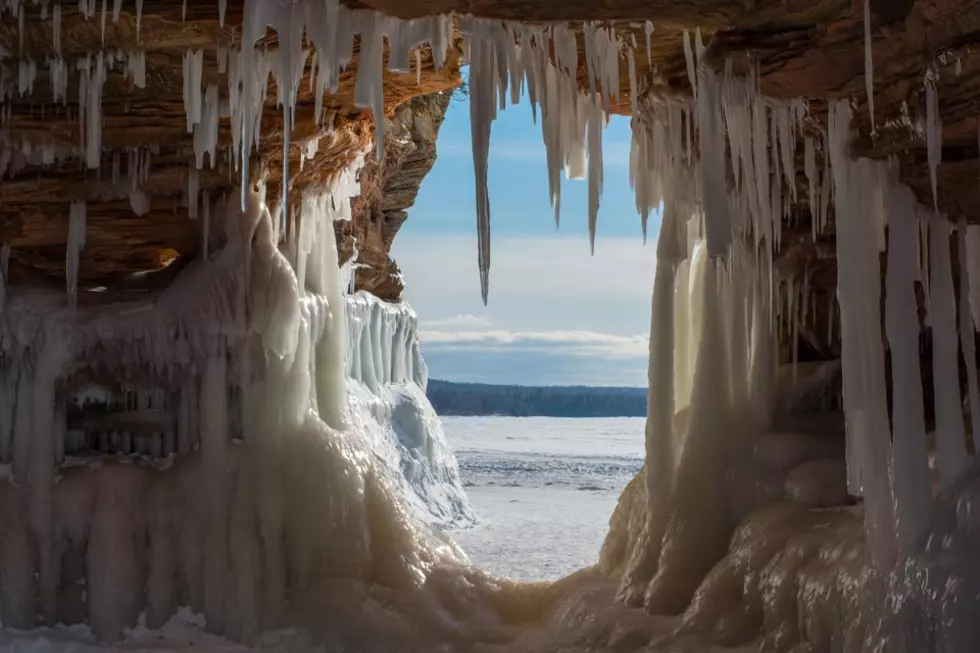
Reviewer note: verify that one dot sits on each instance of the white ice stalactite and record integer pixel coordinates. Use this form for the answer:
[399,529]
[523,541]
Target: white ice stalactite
[136,68]
[862,353]
[934,134]
[91,78]
[4,288]
[595,120]
[910,458]
[812,176]
[76,241]
[206,130]
[56,29]
[222,9]
[689,60]
[950,430]
[869,85]
[718,227]
[482,113]
[193,192]
[973,270]
[58,73]
[193,70]
[967,338]
[139,18]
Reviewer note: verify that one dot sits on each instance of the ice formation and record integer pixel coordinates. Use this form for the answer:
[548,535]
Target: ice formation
[253,362]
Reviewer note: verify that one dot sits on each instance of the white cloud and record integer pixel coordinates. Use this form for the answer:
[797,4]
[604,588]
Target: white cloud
[466,321]
[570,343]
[556,314]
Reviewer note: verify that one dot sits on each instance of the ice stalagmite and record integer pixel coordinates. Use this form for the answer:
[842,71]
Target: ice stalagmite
[869,455]
[950,431]
[910,459]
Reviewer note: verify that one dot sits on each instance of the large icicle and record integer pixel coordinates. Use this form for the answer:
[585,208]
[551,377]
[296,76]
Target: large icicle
[934,133]
[912,478]
[857,184]
[482,77]
[950,431]
[967,338]
[973,268]
[869,85]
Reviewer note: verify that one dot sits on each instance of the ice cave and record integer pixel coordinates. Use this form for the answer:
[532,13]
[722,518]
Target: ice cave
[212,395]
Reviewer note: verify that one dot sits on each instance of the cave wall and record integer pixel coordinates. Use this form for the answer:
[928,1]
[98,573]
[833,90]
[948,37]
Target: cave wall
[388,190]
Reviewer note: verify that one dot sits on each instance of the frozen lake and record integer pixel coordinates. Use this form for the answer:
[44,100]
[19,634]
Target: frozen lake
[543,488]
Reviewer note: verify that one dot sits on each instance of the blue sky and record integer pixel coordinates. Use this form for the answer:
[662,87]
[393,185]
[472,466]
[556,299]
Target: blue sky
[556,315]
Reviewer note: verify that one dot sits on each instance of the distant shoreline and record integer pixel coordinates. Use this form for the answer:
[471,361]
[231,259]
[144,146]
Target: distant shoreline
[484,399]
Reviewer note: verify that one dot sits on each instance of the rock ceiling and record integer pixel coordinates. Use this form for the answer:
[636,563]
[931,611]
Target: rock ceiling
[805,48]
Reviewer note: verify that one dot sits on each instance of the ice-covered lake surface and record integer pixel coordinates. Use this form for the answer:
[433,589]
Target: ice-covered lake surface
[543,488]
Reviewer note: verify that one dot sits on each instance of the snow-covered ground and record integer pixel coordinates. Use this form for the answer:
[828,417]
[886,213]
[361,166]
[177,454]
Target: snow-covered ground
[543,488]
[184,633]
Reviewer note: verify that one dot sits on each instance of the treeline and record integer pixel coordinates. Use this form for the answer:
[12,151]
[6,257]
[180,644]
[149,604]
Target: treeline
[450,398]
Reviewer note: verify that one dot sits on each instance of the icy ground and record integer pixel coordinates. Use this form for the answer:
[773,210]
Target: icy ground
[182,634]
[543,488]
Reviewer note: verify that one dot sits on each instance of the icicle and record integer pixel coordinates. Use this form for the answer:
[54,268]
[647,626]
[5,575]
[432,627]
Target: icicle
[648,30]
[632,73]
[973,268]
[959,67]
[369,91]
[193,191]
[222,9]
[595,167]
[714,183]
[967,341]
[912,478]
[56,29]
[934,134]
[862,352]
[76,241]
[116,8]
[689,59]
[183,11]
[103,22]
[950,432]
[810,167]
[136,68]
[139,18]
[4,288]
[193,71]
[869,66]
[481,116]
[206,226]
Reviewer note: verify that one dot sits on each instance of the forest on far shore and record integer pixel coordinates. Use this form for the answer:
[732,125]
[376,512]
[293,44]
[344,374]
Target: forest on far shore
[450,398]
